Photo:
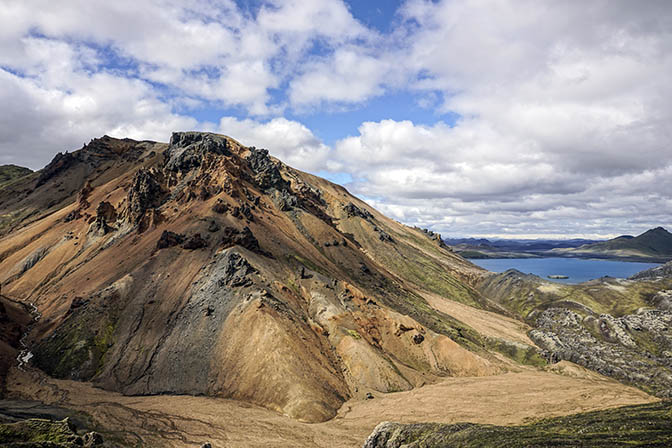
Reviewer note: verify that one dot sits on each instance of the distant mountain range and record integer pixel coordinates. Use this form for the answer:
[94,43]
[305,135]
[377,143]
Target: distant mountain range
[518,248]
[652,245]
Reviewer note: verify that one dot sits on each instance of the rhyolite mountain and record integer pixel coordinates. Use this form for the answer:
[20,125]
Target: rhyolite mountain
[205,267]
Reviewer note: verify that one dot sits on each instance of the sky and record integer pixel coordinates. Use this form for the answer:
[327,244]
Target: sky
[507,118]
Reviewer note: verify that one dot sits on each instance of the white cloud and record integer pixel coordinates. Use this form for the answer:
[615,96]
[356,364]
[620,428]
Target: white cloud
[290,141]
[565,119]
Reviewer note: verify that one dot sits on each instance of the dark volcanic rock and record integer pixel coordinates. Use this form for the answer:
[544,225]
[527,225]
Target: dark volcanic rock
[266,172]
[195,242]
[213,226]
[244,238]
[187,149]
[220,207]
[169,239]
[352,210]
[145,193]
[285,201]
[243,211]
[60,163]
[383,235]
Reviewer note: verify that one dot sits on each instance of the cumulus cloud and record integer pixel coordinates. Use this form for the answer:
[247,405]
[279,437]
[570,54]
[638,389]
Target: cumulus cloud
[290,141]
[81,68]
[564,120]
[563,124]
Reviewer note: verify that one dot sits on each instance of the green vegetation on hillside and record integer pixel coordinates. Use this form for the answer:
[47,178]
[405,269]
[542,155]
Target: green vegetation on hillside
[9,173]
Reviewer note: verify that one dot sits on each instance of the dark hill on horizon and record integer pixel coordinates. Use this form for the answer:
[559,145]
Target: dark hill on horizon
[654,244]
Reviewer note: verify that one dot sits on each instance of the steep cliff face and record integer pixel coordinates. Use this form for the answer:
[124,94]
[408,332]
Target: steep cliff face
[205,267]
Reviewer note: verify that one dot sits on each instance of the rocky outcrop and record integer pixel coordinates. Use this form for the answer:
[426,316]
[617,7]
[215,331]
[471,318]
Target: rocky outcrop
[236,271]
[92,155]
[106,216]
[187,149]
[220,207]
[169,239]
[266,173]
[436,237]
[243,238]
[144,194]
[194,242]
[352,210]
[635,349]
[285,201]
[60,163]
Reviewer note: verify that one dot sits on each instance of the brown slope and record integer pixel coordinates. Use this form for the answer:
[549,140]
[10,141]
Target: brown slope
[205,267]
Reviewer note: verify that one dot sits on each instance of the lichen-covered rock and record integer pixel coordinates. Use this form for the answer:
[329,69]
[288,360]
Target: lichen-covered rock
[633,348]
[663,300]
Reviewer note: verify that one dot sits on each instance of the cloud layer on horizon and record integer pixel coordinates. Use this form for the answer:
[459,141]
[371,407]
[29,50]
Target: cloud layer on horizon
[564,111]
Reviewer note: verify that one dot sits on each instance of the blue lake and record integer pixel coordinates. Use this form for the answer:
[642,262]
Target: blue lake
[577,269]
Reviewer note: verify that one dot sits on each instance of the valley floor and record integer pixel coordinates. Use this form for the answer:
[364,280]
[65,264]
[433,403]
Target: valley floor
[184,421]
